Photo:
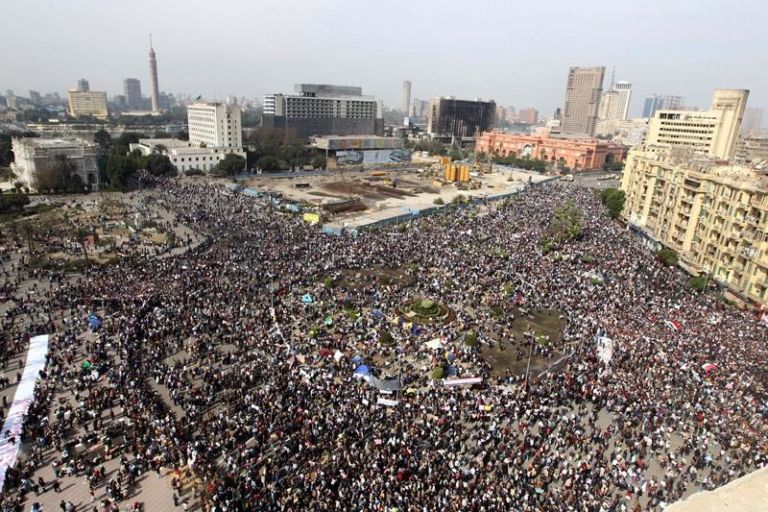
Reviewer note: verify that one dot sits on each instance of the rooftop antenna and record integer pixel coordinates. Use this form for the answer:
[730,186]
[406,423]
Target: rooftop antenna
[150,40]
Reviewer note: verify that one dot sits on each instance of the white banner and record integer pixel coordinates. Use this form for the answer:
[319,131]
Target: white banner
[462,382]
[38,349]
[386,401]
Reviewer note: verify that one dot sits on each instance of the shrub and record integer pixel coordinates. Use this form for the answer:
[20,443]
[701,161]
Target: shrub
[328,282]
[439,201]
[587,259]
[438,373]
[508,289]
[497,312]
[470,339]
[385,338]
[194,172]
[668,257]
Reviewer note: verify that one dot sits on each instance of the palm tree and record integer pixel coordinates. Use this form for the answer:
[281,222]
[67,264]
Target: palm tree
[27,230]
[82,233]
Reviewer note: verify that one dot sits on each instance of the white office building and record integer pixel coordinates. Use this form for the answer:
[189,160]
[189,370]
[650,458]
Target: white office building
[214,124]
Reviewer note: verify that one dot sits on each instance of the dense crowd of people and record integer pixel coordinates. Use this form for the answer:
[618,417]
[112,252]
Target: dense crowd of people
[209,363]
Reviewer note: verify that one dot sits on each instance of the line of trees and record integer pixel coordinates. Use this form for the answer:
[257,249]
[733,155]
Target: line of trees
[273,150]
[118,165]
[530,164]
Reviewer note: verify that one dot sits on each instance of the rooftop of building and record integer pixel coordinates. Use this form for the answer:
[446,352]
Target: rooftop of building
[351,97]
[744,176]
[210,103]
[57,143]
[168,143]
[454,98]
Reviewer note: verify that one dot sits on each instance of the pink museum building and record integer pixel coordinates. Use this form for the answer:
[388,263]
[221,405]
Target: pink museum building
[576,153]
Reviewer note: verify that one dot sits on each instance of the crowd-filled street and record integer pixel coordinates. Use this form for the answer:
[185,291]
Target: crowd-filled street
[220,374]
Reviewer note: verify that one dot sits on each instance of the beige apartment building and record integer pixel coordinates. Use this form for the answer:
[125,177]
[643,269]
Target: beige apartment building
[714,216]
[88,103]
[712,133]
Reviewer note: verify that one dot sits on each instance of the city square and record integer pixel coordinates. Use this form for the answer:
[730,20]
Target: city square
[226,378]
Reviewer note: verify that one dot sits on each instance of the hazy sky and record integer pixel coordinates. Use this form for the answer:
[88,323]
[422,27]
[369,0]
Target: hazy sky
[515,52]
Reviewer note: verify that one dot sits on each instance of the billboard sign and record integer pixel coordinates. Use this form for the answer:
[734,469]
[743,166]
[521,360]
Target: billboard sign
[373,157]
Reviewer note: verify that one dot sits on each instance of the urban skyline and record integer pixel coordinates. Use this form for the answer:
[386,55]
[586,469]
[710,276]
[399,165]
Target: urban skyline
[308,56]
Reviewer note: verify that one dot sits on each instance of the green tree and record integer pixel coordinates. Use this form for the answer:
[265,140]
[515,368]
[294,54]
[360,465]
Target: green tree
[613,199]
[268,163]
[566,224]
[157,165]
[102,138]
[13,203]
[121,143]
[120,168]
[231,164]
[668,257]
[182,135]
[319,162]
[6,150]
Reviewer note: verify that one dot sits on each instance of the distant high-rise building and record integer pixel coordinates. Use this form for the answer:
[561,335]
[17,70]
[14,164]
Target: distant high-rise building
[528,115]
[406,99]
[450,117]
[83,85]
[582,100]
[91,103]
[35,98]
[650,105]
[672,102]
[752,121]
[420,108]
[711,133]
[323,109]
[10,99]
[614,104]
[625,95]
[155,88]
[656,102]
[132,90]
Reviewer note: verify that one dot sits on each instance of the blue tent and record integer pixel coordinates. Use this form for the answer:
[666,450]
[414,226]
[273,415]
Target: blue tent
[363,370]
[94,322]
[306,299]
[377,313]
